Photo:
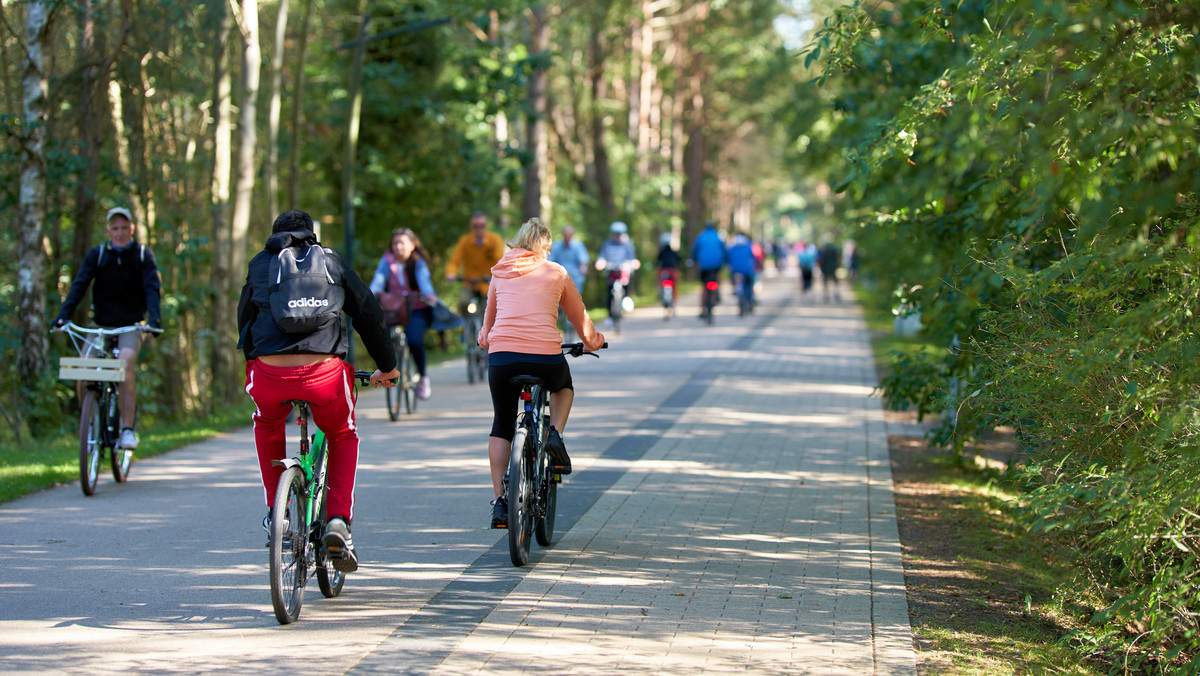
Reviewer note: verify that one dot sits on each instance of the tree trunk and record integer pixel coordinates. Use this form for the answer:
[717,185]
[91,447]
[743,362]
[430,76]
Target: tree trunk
[222,300]
[645,88]
[31,271]
[500,122]
[695,151]
[243,197]
[536,137]
[297,99]
[599,85]
[271,166]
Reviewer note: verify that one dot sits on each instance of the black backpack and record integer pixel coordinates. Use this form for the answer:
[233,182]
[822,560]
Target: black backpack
[303,296]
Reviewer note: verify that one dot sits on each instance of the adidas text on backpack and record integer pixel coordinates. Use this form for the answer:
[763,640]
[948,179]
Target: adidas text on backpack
[304,297]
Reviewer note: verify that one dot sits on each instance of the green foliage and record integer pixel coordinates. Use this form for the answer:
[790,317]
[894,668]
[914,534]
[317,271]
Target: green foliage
[1032,168]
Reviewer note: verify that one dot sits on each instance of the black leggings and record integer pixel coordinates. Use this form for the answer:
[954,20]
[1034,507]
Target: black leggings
[505,395]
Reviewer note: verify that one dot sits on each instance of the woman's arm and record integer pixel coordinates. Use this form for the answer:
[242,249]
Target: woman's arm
[489,316]
[576,312]
[379,279]
[425,279]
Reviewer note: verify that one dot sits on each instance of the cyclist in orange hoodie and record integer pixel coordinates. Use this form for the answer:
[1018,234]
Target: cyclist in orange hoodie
[520,333]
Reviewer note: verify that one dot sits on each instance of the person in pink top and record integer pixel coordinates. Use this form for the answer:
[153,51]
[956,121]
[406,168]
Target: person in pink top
[520,333]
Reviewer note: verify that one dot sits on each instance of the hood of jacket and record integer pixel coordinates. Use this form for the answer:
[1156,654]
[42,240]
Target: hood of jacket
[517,262]
[293,238]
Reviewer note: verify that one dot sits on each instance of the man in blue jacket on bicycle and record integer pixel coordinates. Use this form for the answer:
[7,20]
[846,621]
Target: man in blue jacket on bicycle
[708,252]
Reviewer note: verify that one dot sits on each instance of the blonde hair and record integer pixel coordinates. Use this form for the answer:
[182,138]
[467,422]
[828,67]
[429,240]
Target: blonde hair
[534,236]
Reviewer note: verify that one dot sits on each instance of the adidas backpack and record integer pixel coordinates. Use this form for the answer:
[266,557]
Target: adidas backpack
[303,296]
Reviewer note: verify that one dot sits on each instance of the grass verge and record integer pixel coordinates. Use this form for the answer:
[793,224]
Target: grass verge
[981,588]
[45,463]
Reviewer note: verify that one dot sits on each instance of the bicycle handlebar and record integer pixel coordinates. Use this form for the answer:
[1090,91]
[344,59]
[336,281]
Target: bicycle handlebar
[577,350]
[473,280]
[364,377]
[72,326]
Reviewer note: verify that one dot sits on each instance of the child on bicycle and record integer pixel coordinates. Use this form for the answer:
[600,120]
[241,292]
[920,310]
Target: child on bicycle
[127,288]
[520,333]
[282,366]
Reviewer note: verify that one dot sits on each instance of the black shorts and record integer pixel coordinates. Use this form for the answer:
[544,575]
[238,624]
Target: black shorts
[505,395]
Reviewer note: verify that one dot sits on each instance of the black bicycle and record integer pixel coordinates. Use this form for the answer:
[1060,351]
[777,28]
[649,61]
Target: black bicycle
[101,374]
[298,521]
[404,393]
[530,484]
[476,355]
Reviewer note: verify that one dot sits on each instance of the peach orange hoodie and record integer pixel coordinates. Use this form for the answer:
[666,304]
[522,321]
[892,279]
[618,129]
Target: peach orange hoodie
[522,307]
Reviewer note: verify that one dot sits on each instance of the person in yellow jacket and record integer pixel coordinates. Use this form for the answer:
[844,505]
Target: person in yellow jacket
[472,261]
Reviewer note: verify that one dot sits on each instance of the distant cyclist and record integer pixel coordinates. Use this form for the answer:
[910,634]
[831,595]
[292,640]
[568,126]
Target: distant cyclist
[667,261]
[472,260]
[404,271]
[520,333]
[127,288]
[742,261]
[618,258]
[283,366]
[708,253]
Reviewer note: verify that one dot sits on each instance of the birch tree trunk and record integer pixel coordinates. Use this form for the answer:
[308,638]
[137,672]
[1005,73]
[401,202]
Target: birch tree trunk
[500,122]
[221,299]
[536,137]
[271,166]
[31,270]
[243,197]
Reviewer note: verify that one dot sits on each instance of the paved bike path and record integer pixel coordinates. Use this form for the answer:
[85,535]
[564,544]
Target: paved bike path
[731,510]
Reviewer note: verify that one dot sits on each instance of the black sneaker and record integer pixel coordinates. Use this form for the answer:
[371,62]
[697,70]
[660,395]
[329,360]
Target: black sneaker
[339,547]
[500,512]
[560,462]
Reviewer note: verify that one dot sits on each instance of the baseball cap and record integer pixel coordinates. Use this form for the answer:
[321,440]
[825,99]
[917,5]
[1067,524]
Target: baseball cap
[119,211]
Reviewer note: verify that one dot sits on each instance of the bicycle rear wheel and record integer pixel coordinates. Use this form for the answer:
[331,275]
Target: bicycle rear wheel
[329,579]
[90,432]
[289,546]
[520,497]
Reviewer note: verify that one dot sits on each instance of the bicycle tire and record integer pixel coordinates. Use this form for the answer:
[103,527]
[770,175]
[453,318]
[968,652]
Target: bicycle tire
[470,331]
[520,495]
[393,398]
[481,364]
[90,450]
[289,565]
[410,378]
[121,458]
[329,579]
[547,488]
[615,308]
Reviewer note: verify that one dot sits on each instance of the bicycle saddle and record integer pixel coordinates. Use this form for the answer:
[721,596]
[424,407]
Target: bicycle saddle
[523,381]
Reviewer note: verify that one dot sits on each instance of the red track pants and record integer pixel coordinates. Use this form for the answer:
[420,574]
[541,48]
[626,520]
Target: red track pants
[329,387]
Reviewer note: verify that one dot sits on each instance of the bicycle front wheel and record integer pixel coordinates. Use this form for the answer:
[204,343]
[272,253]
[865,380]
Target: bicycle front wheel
[520,498]
[393,397]
[122,458]
[289,546]
[409,367]
[90,431]
[547,488]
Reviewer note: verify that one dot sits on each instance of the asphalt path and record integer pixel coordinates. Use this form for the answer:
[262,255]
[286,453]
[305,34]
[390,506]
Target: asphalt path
[168,572]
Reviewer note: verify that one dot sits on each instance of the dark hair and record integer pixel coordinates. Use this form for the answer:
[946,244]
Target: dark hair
[410,266]
[292,220]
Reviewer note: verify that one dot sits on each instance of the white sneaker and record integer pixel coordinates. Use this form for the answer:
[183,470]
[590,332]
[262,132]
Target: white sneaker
[128,439]
[424,388]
